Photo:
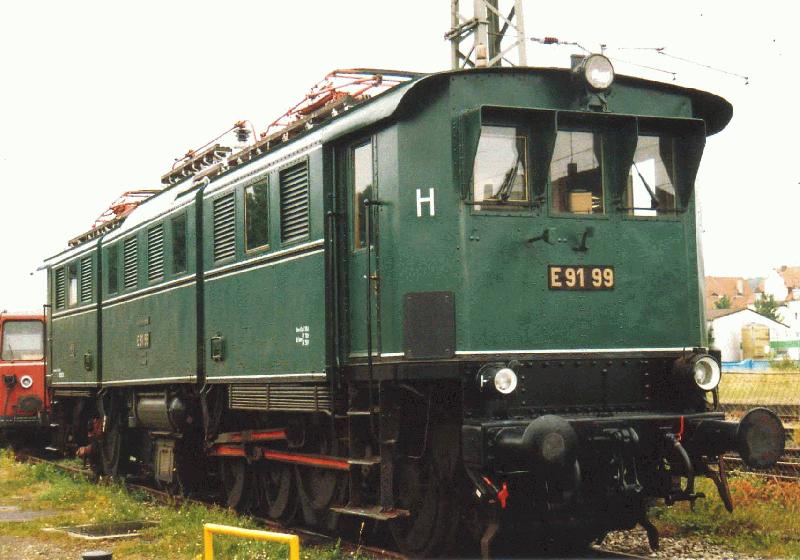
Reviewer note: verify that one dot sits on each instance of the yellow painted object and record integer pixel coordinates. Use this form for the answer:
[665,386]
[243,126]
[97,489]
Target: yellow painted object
[211,529]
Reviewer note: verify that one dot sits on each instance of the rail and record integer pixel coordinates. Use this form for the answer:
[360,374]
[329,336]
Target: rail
[211,529]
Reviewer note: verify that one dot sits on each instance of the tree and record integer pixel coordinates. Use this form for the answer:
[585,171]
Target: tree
[723,303]
[768,307]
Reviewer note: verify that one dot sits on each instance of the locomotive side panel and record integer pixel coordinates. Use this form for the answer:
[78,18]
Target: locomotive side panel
[74,321]
[264,283]
[149,314]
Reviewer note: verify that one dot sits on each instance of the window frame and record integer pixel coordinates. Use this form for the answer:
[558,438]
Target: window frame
[72,272]
[112,250]
[356,206]
[3,340]
[601,130]
[510,207]
[183,216]
[262,182]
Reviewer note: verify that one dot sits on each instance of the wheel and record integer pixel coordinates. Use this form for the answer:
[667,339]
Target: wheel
[114,456]
[319,489]
[431,496]
[237,481]
[277,492]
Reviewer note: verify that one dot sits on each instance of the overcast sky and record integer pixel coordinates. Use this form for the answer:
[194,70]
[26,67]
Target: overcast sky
[100,97]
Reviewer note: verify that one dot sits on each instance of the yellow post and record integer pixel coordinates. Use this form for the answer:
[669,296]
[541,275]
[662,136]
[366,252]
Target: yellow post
[211,529]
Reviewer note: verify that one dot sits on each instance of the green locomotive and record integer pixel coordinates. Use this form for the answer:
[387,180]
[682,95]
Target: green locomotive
[472,300]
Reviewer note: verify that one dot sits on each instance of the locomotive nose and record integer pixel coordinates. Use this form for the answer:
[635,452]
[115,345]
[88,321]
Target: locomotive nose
[547,442]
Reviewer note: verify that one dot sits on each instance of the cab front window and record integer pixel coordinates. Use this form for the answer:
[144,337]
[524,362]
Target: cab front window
[576,176]
[650,189]
[23,340]
[500,173]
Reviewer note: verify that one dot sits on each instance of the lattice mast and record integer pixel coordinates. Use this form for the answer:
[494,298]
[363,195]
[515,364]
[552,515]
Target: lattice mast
[497,29]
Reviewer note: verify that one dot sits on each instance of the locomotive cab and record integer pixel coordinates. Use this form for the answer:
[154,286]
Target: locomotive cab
[23,394]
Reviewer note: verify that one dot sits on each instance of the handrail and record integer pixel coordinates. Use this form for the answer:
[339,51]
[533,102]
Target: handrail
[211,529]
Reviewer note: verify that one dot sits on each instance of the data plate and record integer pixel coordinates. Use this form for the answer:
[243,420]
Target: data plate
[580,277]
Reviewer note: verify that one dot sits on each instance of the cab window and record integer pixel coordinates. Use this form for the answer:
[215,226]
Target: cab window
[363,178]
[500,173]
[23,340]
[576,176]
[72,284]
[650,189]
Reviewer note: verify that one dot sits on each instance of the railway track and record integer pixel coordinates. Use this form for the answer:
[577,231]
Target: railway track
[309,537]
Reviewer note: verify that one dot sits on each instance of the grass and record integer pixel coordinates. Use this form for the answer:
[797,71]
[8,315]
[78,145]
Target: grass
[76,501]
[765,521]
[765,388]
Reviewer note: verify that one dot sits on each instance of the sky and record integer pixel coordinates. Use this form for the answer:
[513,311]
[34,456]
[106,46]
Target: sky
[97,98]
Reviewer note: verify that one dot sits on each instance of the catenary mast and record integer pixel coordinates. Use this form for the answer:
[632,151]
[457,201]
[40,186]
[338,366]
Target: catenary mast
[497,39]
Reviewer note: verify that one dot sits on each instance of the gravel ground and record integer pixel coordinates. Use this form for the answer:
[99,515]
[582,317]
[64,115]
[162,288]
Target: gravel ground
[25,548]
[686,548]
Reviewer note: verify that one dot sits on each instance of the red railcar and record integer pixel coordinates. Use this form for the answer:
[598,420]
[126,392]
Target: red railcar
[24,401]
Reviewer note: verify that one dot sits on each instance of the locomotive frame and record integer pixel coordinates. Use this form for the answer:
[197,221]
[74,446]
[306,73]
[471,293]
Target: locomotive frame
[396,344]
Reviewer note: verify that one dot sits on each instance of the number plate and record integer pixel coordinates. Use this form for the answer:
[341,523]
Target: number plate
[580,277]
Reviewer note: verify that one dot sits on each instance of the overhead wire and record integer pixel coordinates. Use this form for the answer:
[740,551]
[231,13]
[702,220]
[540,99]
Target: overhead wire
[658,50]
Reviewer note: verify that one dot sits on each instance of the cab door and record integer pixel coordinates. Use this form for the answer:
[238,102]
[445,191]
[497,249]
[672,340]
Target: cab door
[358,200]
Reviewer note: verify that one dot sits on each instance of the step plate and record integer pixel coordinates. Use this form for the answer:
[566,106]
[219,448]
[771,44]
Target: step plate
[374,512]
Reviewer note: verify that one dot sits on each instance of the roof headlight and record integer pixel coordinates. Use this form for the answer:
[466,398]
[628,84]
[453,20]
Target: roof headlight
[706,373]
[505,381]
[26,381]
[598,72]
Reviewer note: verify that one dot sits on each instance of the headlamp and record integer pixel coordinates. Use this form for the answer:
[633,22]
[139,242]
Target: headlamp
[706,372]
[503,379]
[26,381]
[597,72]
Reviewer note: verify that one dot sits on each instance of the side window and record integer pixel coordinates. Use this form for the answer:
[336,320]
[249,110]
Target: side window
[650,190]
[155,252]
[256,216]
[113,269]
[23,340]
[576,177]
[500,173]
[72,284]
[363,177]
[224,227]
[86,279]
[130,257]
[179,244]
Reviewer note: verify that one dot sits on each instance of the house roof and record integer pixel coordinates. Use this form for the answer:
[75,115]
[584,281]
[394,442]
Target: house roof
[791,276]
[718,313]
[719,286]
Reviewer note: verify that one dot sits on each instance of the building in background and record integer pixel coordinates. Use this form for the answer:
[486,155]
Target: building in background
[743,334]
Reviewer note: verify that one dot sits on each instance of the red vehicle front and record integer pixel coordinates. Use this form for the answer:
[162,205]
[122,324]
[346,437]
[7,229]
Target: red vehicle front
[23,393]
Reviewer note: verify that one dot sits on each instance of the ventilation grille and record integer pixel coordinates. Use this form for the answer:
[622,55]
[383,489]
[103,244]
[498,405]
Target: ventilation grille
[294,202]
[129,258]
[60,285]
[86,279]
[280,397]
[155,252]
[224,227]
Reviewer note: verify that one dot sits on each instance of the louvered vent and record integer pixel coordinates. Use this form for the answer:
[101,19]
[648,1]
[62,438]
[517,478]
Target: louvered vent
[280,397]
[86,279]
[155,252]
[224,227]
[60,289]
[294,202]
[129,258]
